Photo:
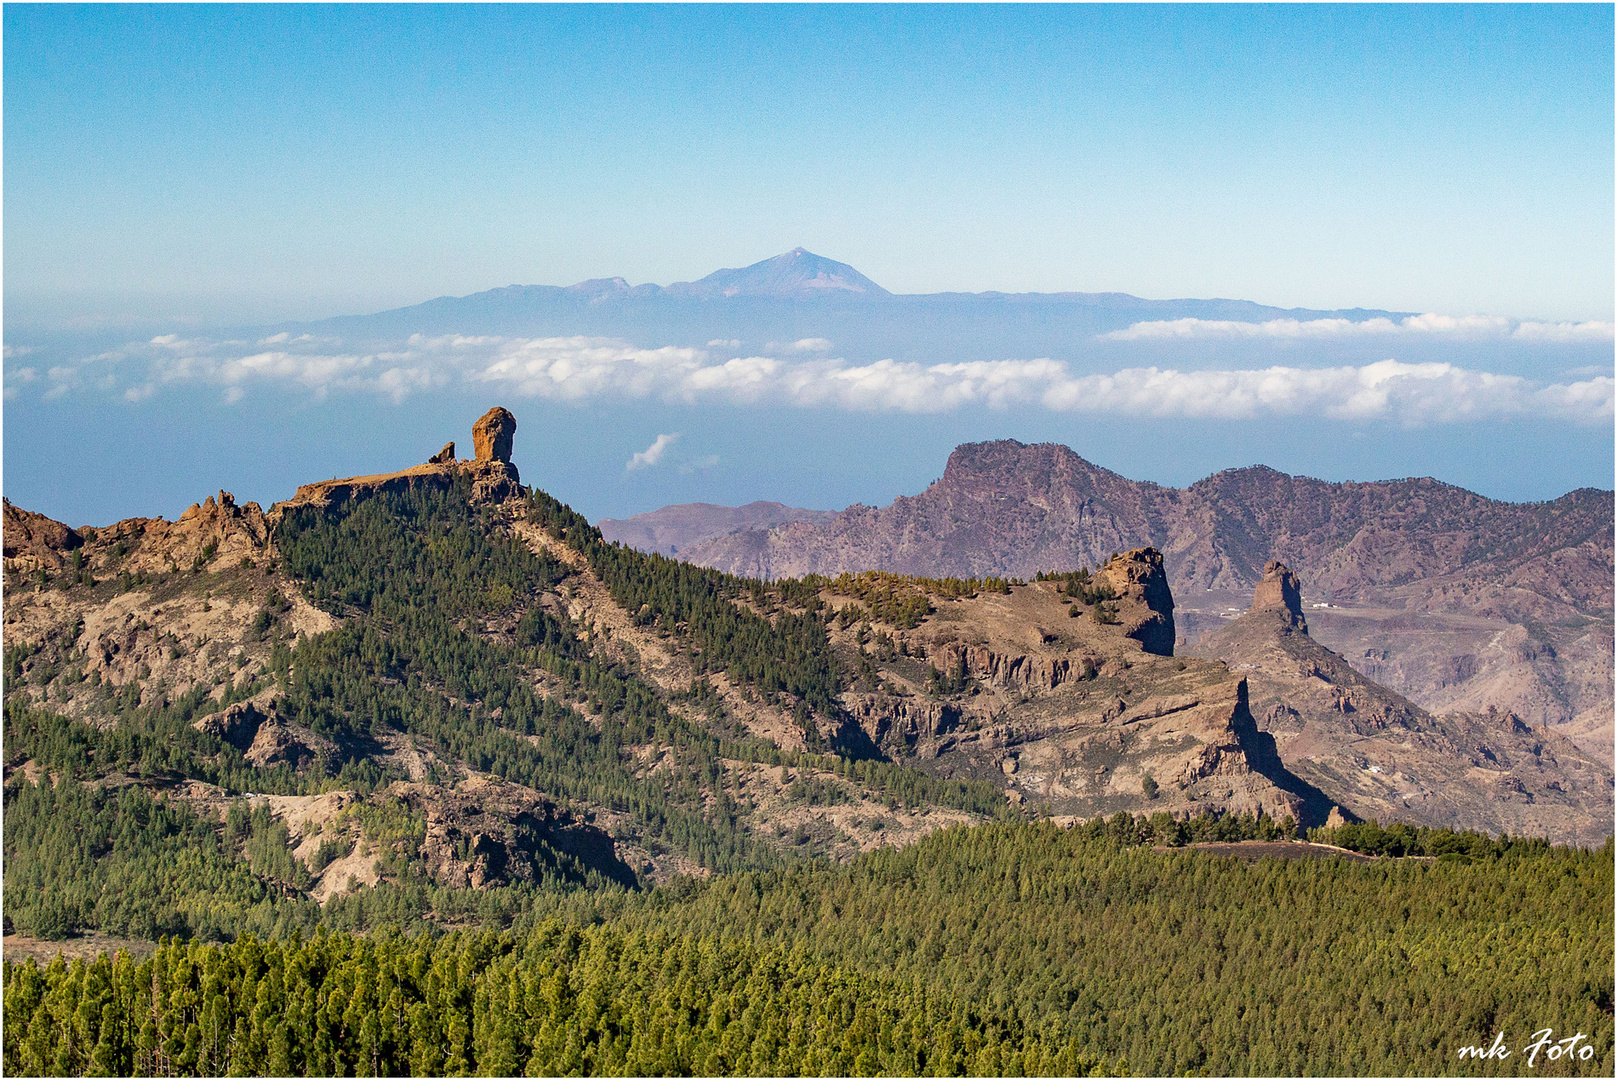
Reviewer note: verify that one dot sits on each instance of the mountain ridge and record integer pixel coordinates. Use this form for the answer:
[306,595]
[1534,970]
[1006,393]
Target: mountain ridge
[799,277]
[1455,599]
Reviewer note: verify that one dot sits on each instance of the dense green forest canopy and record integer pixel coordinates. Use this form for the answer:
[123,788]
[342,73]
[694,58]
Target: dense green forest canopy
[1010,947]
[561,1000]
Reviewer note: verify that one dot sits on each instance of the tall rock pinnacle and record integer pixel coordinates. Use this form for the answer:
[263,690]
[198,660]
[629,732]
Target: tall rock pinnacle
[1282,593]
[1145,602]
[492,435]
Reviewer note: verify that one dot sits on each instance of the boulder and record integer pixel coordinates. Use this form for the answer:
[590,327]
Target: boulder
[264,736]
[278,742]
[444,456]
[492,435]
[237,724]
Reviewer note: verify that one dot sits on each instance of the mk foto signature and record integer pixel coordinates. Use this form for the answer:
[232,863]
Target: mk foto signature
[1544,1040]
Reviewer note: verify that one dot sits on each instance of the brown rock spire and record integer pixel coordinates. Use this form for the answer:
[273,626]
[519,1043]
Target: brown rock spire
[1282,593]
[1145,604]
[492,435]
[494,478]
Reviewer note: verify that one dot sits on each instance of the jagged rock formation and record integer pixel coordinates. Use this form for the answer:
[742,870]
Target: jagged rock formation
[214,531]
[494,478]
[1280,592]
[483,832]
[1080,714]
[1382,756]
[1145,603]
[1454,599]
[492,435]
[33,541]
[266,737]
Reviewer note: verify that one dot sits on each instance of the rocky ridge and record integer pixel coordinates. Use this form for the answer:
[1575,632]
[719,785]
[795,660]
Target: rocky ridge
[1454,599]
[1383,757]
[1068,703]
[1076,704]
[149,612]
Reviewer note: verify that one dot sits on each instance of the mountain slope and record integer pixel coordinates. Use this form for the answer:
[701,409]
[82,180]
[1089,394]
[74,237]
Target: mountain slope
[437,696]
[1517,597]
[795,275]
[672,529]
[1385,758]
[801,295]
[415,691]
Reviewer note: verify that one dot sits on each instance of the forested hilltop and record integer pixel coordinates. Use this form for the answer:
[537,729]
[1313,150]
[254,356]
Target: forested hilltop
[416,773]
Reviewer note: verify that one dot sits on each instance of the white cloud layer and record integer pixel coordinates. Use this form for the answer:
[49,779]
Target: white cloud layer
[1464,326]
[581,369]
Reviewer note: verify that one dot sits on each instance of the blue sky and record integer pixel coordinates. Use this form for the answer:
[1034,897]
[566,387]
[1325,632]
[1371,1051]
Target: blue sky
[272,162]
[173,174]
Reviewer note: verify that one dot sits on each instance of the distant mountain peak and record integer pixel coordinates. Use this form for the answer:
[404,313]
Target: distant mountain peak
[797,274]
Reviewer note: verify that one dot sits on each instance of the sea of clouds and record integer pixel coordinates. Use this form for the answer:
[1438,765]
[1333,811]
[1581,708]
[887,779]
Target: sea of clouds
[802,373]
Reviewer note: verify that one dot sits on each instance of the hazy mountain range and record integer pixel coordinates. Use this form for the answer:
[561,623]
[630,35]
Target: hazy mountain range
[800,295]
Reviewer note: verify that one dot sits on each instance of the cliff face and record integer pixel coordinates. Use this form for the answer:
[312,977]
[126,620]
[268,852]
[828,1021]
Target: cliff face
[1381,756]
[1471,571]
[1144,601]
[1074,704]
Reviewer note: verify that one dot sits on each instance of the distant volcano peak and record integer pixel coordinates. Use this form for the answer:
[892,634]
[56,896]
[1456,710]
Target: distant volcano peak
[797,274]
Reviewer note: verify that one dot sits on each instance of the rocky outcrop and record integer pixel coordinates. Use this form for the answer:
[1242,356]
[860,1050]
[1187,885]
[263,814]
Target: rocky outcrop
[891,720]
[1281,593]
[326,494]
[211,534]
[1144,602]
[1018,673]
[493,481]
[1380,756]
[281,742]
[494,478]
[237,724]
[264,736]
[492,435]
[33,541]
[485,832]
[1479,567]
[1007,686]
